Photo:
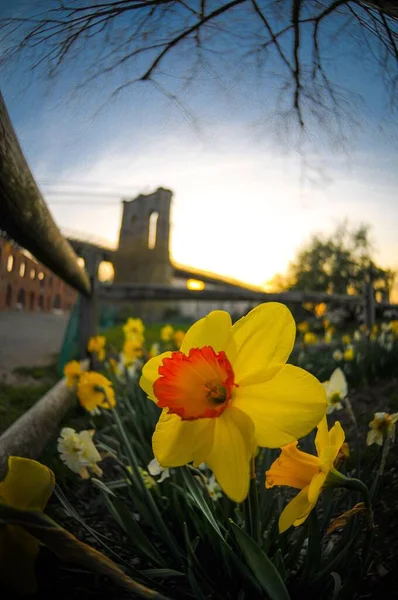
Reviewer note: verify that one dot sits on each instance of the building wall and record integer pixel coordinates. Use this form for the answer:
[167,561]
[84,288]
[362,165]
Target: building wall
[135,261]
[29,285]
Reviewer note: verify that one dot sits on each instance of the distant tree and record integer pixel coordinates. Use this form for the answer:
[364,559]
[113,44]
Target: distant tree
[288,45]
[339,263]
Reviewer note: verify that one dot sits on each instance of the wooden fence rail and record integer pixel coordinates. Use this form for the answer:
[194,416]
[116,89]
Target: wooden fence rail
[24,214]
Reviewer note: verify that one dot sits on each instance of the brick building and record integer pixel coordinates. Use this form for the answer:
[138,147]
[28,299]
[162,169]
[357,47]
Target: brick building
[27,284]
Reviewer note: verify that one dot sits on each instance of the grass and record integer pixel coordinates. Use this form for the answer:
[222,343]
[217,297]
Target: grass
[17,399]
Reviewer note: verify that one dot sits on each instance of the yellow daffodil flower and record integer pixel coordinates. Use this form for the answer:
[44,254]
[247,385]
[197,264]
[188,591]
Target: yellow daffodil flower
[27,486]
[78,452]
[346,339]
[336,390]
[394,327]
[229,390]
[328,336]
[96,345]
[305,472]
[303,327]
[349,353]
[363,328]
[383,424]
[166,333]
[72,372]
[133,327]
[179,337]
[310,338]
[326,324]
[132,350]
[95,390]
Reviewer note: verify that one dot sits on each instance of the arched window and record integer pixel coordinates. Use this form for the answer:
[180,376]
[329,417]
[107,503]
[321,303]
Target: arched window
[152,230]
[22,269]
[10,263]
[32,273]
[106,271]
[9,295]
[81,262]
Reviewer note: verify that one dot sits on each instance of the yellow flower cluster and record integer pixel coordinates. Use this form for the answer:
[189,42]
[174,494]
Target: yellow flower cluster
[134,341]
[96,345]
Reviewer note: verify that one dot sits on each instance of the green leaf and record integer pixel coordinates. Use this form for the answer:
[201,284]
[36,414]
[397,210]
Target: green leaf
[196,493]
[162,573]
[262,567]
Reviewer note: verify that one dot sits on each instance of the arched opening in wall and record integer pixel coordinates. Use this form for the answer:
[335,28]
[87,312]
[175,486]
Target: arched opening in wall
[106,272]
[22,269]
[10,263]
[32,274]
[57,301]
[31,301]
[81,262]
[21,298]
[152,230]
[41,302]
[9,295]
[49,303]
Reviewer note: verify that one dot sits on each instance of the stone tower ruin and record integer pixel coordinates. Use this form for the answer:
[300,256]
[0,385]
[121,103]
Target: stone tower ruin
[143,255]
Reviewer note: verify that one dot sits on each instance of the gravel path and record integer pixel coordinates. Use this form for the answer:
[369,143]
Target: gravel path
[29,339]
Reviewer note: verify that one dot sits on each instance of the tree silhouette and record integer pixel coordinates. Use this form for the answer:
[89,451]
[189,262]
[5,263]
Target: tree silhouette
[146,40]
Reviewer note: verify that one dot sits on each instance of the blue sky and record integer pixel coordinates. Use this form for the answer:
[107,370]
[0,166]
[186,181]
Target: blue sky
[244,201]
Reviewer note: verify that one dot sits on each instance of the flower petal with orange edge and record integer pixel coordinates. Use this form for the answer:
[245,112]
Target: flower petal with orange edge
[27,485]
[150,372]
[213,330]
[176,442]
[283,409]
[264,340]
[233,447]
[296,511]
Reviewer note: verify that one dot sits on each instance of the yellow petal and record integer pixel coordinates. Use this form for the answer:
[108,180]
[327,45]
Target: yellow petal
[232,450]
[336,436]
[28,484]
[18,551]
[283,409]
[213,330]
[296,511]
[150,373]
[177,442]
[264,340]
[293,468]
[315,487]
[322,436]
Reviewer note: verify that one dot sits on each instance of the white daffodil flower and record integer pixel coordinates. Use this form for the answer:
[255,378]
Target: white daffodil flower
[338,355]
[78,452]
[336,390]
[383,424]
[155,469]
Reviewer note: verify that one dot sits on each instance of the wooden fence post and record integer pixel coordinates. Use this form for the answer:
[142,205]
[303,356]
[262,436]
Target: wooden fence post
[88,305]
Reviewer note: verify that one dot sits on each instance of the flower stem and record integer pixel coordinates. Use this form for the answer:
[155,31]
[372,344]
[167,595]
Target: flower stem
[253,506]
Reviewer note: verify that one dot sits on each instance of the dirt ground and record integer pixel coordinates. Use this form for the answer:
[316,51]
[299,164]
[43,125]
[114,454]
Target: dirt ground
[29,339]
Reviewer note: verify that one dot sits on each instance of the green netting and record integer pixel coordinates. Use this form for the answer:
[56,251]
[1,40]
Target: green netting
[70,344]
